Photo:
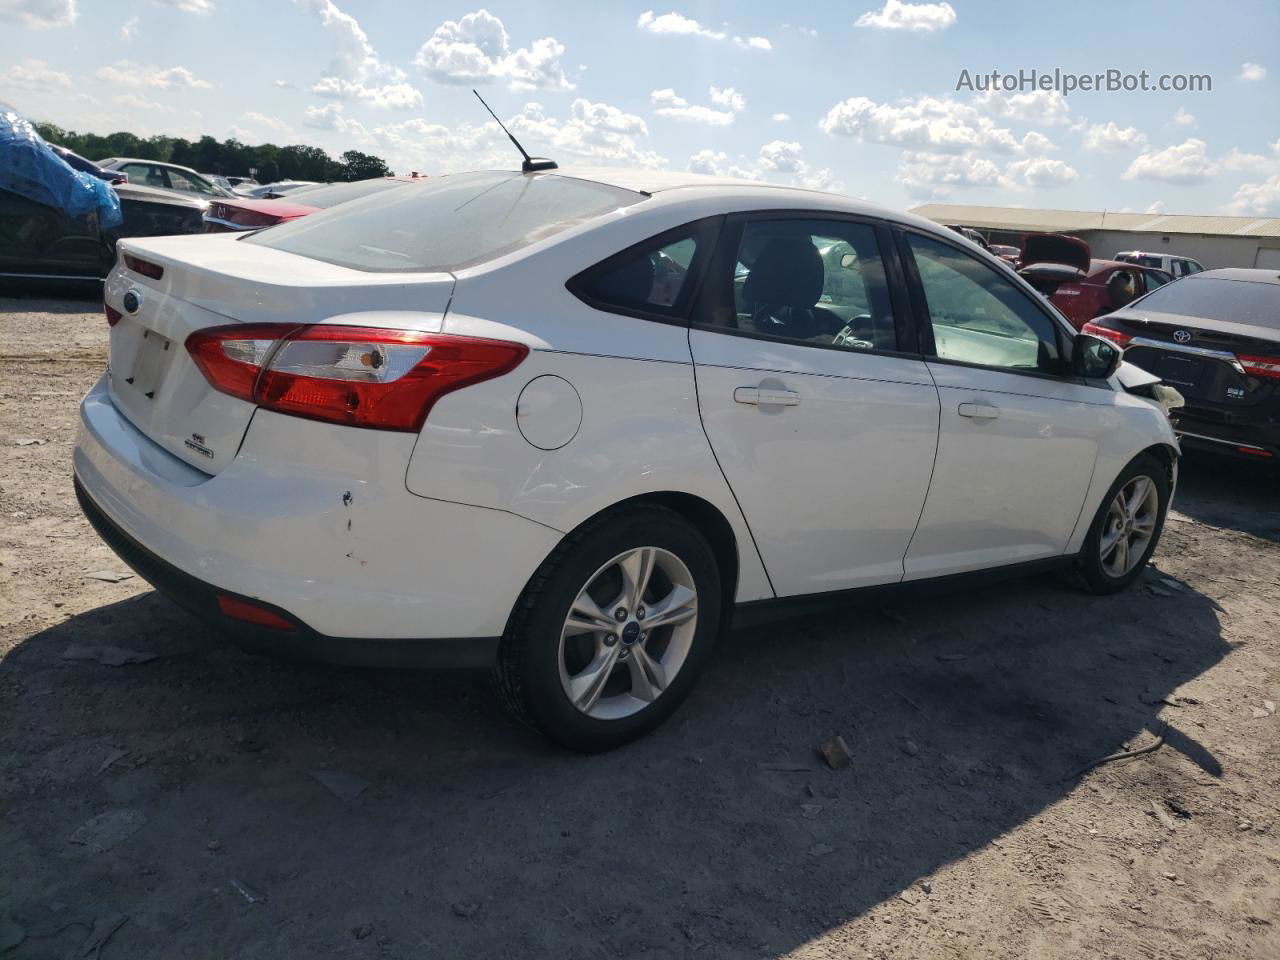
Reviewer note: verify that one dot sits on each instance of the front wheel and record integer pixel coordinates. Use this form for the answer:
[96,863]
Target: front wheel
[612,630]
[1127,527]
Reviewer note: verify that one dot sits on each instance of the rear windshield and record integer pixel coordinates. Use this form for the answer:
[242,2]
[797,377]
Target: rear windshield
[331,194]
[1240,301]
[446,223]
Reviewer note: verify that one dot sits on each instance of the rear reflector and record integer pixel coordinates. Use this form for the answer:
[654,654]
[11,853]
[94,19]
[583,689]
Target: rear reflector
[1268,367]
[144,267]
[358,376]
[1098,330]
[248,612]
[1254,451]
[113,315]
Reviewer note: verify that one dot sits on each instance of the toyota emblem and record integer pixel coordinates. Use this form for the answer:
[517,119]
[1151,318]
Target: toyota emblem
[1182,336]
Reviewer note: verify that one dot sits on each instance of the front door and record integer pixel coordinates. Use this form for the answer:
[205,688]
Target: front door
[1018,437]
[824,428]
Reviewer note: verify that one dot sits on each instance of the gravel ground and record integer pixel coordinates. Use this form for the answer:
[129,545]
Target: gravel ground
[208,803]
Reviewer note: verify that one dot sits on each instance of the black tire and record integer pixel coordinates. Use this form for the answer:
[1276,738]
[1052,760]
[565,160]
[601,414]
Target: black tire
[528,670]
[1096,577]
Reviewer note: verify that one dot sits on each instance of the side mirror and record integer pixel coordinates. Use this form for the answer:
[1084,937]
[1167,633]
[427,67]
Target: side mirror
[1093,357]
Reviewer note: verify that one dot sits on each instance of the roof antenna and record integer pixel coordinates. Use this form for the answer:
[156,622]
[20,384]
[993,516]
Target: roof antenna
[531,164]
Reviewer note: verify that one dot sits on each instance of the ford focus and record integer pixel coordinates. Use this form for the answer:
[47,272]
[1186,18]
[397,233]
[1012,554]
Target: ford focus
[569,424]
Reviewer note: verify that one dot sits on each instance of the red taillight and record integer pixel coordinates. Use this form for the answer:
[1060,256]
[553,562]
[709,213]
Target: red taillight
[113,315]
[1115,336]
[359,376]
[248,612]
[1254,451]
[1268,367]
[144,267]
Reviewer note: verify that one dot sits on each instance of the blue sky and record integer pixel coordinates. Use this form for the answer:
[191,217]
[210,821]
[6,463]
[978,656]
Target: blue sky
[858,97]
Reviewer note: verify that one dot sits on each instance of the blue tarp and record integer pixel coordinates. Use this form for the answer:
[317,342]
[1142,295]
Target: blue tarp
[30,169]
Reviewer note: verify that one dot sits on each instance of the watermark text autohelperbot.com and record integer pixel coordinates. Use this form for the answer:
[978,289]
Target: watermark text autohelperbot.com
[1066,82]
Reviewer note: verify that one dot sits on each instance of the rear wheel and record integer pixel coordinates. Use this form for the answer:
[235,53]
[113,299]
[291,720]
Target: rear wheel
[1127,527]
[612,630]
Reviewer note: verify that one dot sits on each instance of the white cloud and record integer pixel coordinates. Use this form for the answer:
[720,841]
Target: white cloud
[1257,199]
[1155,207]
[1111,136]
[1183,163]
[1236,159]
[896,15]
[356,71]
[1184,119]
[926,123]
[782,156]
[1041,172]
[677,24]
[399,96]
[927,176]
[476,49]
[667,103]
[39,14]
[709,162]
[1039,106]
[135,101]
[331,117]
[272,125]
[35,76]
[129,30]
[1252,71]
[1035,143]
[780,117]
[137,76]
[728,97]
[201,7]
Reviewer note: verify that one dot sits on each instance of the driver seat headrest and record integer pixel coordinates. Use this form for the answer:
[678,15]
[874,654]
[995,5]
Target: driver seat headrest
[787,272]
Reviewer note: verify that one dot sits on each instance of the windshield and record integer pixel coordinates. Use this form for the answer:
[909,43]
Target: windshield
[1213,298]
[331,194]
[446,223]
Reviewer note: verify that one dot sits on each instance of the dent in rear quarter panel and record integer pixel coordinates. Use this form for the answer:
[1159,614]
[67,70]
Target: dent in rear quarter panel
[640,433]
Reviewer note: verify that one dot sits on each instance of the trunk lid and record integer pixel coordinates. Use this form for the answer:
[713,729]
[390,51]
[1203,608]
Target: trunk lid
[212,280]
[1055,248]
[1197,355]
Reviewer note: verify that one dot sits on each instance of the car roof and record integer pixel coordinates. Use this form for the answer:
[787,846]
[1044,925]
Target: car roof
[755,194]
[158,163]
[1252,274]
[139,191]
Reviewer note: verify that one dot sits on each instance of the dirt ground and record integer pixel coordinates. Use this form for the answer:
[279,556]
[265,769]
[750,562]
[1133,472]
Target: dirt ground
[210,804]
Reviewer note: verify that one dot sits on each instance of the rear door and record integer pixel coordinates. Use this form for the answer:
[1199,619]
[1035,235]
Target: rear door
[824,425]
[1017,438]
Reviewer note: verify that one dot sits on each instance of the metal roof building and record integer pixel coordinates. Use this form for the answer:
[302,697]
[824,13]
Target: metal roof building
[1216,241]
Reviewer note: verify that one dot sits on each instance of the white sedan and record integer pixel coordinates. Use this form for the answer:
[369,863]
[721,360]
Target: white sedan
[568,423]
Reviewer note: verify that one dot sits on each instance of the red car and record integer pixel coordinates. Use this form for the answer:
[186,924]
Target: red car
[1082,288]
[227,215]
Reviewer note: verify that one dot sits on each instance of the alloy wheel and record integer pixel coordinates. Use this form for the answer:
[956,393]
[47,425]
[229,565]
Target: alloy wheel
[1129,526]
[628,633]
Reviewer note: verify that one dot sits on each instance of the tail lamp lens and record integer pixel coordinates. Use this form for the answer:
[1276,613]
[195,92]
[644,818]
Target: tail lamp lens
[1114,336]
[1268,367]
[359,376]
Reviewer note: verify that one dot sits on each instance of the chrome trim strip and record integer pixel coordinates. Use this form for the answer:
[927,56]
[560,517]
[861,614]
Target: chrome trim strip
[50,276]
[227,223]
[1224,355]
[1229,443]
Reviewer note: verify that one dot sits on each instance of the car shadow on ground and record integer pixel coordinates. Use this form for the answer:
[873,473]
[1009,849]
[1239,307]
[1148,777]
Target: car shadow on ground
[451,831]
[1228,492]
[49,296]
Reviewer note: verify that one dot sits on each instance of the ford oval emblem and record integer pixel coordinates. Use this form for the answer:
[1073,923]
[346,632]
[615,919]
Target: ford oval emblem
[1181,336]
[132,301]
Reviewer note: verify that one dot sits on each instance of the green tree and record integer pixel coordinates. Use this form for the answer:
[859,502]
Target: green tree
[362,166]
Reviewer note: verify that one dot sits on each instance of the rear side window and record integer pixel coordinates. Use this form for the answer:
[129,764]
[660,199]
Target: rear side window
[653,277]
[447,223]
[1214,298]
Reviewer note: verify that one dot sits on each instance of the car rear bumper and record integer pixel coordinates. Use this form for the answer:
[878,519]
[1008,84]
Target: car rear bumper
[314,522]
[1247,439]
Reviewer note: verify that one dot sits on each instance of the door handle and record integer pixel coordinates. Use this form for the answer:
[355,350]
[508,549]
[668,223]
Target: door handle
[760,397]
[978,411]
